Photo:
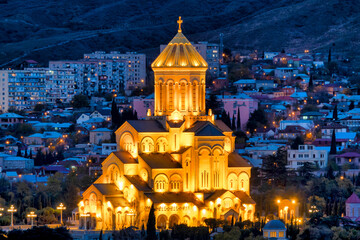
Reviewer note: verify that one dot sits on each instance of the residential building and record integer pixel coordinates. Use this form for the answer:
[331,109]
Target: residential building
[99,135]
[274,229]
[142,105]
[240,102]
[10,119]
[307,153]
[352,208]
[327,130]
[351,158]
[135,67]
[42,138]
[286,73]
[163,161]
[307,124]
[108,148]
[60,86]
[24,88]
[11,162]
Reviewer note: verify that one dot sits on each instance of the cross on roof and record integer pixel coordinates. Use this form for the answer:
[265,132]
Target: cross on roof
[179,22]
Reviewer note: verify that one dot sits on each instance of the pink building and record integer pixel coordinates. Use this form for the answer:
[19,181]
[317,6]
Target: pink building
[246,105]
[141,105]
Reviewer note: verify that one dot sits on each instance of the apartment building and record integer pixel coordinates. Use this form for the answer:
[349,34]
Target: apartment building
[307,153]
[135,67]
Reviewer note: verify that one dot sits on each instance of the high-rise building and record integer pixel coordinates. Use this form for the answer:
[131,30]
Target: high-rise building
[180,160]
[22,89]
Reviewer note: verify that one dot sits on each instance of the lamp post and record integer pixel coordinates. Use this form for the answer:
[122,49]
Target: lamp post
[12,210]
[32,215]
[61,207]
[1,209]
[85,215]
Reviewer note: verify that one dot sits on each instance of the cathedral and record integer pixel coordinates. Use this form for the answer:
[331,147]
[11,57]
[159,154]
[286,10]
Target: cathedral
[179,159]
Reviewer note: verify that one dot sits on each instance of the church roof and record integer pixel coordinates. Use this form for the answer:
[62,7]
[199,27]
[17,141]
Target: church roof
[220,124]
[244,198]
[171,197]
[274,225]
[235,160]
[107,188]
[138,182]
[125,157]
[179,53]
[205,128]
[175,124]
[118,201]
[160,160]
[353,199]
[147,125]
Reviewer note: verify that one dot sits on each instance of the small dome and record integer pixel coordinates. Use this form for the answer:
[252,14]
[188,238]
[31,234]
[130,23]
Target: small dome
[275,225]
[179,53]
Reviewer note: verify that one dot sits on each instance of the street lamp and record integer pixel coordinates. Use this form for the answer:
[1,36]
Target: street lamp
[32,215]
[12,210]
[85,215]
[1,209]
[61,207]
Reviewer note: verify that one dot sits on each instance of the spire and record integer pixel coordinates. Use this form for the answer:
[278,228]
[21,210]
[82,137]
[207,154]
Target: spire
[179,22]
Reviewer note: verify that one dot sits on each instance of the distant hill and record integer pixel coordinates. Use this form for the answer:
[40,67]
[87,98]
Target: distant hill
[64,29]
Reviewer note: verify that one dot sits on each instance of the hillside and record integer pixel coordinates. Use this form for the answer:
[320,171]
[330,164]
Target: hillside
[54,29]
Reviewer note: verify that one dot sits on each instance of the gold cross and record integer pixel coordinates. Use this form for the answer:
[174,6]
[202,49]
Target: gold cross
[179,22]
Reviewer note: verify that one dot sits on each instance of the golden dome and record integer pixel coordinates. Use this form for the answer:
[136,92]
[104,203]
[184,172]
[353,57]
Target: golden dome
[179,53]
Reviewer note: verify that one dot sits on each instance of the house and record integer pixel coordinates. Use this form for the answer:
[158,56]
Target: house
[274,229]
[11,162]
[108,148]
[351,122]
[262,151]
[300,96]
[307,124]
[316,116]
[333,88]
[291,132]
[281,59]
[326,131]
[99,135]
[352,158]
[83,118]
[306,153]
[141,105]
[9,119]
[219,83]
[285,73]
[42,138]
[245,84]
[242,102]
[352,208]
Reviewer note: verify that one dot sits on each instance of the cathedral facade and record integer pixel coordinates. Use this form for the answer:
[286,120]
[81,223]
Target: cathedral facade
[180,159]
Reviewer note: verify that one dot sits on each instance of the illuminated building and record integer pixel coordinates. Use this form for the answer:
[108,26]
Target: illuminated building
[180,159]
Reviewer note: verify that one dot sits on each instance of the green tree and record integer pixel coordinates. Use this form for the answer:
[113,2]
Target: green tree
[150,227]
[39,107]
[333,143]
[80,101]
[352,105]
[257,119]
[238,120]
[115,115]
[274,168]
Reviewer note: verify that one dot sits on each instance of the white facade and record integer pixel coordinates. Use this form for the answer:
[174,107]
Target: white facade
[307,153]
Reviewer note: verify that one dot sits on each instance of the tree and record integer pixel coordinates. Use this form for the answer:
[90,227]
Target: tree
[115,115]
[150,227]
[329,56]
[238,120]
[274,168]
[39,107]
[352,105]
[333,143]
[335,113]
[233,127]
[296,142]
[80,101]
[311,84]
[257,119]
[213,103]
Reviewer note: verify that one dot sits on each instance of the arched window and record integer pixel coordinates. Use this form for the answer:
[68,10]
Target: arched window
[161,183]
[161,144]
[175,183]
[194,93]
[182,96]
[127,142]
[232,179]
[171,96]
[161,95]
[147,145]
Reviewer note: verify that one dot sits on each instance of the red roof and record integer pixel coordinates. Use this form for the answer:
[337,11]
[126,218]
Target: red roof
[349,154]
[353,199]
